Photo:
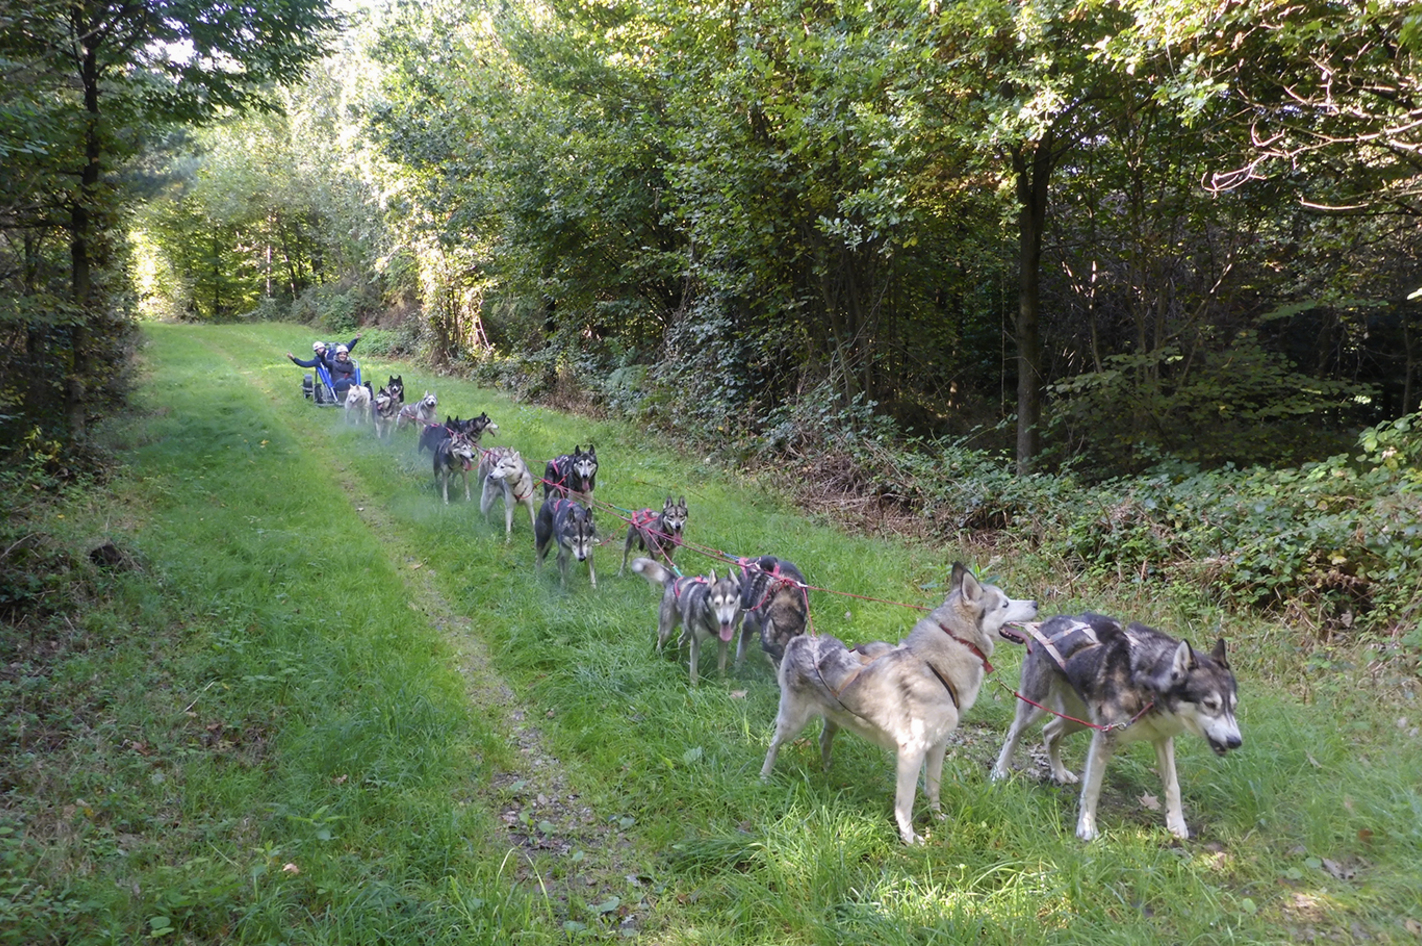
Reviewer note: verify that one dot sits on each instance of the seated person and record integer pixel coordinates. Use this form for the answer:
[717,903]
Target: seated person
[343,372]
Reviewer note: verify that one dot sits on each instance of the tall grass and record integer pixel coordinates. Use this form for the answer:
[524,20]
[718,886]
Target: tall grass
[294,661]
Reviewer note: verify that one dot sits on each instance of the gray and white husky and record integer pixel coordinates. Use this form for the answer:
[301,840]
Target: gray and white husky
[707,608]
[422,413]
[568,525]
[658,533]
[1129,684]
[455,454]
[908,697]
[503,472]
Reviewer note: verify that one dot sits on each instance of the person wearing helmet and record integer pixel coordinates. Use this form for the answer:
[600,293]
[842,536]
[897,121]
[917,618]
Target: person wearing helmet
[343,372]
[323,355]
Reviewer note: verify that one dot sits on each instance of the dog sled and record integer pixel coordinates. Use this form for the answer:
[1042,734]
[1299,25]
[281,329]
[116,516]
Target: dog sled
[317,387]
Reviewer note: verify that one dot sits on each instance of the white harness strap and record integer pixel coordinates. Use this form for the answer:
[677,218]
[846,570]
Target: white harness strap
[1049,643]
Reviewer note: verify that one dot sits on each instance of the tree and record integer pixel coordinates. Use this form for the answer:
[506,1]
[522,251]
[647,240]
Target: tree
[113,71]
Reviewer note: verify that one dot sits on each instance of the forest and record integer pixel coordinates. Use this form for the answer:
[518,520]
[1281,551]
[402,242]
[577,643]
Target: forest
[1106,231]
[951,263]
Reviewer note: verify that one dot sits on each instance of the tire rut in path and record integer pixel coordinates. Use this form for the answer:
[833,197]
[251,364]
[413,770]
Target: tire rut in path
[536,794]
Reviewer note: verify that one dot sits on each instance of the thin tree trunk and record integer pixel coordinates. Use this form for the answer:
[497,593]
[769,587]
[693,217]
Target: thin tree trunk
[1032,165]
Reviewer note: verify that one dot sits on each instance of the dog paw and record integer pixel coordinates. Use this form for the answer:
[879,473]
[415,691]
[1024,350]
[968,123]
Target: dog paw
[1179,830]
[1066,777]
[997,775]
[1086,831]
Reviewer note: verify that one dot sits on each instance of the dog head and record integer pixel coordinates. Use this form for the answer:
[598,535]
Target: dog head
[428,403]
[585,464]
[580,532]
[674,518]
[508,466]
[1203,693]
[396,387]
[724,597]
[985,609]
[459,450]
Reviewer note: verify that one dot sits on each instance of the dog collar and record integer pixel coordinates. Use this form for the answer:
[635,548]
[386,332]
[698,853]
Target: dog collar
[987,666]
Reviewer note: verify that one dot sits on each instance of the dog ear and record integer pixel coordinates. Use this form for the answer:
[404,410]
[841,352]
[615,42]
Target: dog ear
[1219,654]
[965,582]
[1183,663]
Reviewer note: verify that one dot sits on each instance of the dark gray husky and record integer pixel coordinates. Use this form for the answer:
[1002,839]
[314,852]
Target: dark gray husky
[568,525]
[707,608]
[1126,684]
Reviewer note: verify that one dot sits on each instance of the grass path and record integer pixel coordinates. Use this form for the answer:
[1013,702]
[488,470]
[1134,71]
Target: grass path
[324,707]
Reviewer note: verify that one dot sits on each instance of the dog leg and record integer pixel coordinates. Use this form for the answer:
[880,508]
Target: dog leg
[695,653]
[790,721]
[1052,734]
[1165,761]
[592,573]
[465,474]
[1100,752]
[827,743]
[486,498]
[1027,714]
[910,763]
[933,776]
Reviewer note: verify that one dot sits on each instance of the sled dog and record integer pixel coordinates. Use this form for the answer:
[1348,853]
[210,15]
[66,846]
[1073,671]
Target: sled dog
[358,401]
[659,533]
[908,697]
[568,525]
[707,608]
[454,455]
[385,409]
[1129,684]
[773,596]
[503,472]
[422,412]
[572,475]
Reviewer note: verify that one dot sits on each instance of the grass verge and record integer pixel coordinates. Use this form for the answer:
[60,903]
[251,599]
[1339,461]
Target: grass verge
[321,706]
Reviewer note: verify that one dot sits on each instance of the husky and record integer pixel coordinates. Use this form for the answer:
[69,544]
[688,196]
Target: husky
[1126,684]
[659,533]
[420,412]
[502,471]
[570,526]
[706,608]
[473,428]
[908,697]
[453,455]
[572,475]
[384,410]
[358,403]
[396,387]
[773,597]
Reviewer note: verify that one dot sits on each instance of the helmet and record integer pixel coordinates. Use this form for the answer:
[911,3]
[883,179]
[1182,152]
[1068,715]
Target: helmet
[341,349]
[318,346]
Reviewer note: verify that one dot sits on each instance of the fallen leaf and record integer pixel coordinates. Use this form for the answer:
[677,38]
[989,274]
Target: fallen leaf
[1312,761]
[1150,803]
[415,565]
[1413,927]
[290,869]
[738,694]
[1365,835]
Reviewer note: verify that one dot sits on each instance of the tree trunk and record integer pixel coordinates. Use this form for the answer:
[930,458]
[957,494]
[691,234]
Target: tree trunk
[1032,166]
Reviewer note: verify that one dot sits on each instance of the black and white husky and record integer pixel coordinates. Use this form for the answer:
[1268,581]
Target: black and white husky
[568,525]
[453,455]
[572,475]
[659,533]
[1126,684]
[706,608]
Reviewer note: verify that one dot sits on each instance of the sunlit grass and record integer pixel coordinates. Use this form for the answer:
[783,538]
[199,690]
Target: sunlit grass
[276,601]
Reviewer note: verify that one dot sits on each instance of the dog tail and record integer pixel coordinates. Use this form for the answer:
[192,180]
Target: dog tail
[656,574]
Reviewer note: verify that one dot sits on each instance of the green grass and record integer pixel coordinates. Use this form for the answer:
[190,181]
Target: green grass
[319,664]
